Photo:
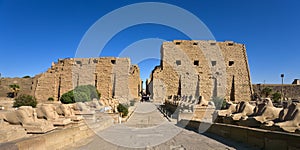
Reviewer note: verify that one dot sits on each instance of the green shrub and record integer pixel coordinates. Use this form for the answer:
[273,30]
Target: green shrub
[276,97]
[266,91]
[81,97]
[67,98]
[81,93]
[25,100]
[123,109]
[94,93]
[89,90]
[50,99]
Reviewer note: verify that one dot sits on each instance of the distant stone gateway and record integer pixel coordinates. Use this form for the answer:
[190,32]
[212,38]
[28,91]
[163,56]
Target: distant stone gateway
[192,68]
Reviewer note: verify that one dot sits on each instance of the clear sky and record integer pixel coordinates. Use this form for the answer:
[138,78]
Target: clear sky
[34,33]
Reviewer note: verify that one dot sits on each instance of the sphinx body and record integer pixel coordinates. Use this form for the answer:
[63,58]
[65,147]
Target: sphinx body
[243,109]
[289,119]
[263,112]
[48,112]
[27,117]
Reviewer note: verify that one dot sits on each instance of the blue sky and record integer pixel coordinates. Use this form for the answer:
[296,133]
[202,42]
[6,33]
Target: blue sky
[34,33]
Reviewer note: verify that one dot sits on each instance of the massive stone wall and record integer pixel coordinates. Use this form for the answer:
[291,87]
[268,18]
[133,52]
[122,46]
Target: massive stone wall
[290,91]
[206,68]
[135,83]
[26,85]
[113,77]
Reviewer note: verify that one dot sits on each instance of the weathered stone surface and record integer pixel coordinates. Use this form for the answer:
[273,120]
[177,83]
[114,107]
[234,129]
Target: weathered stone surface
[110,103]
[11,117]
[203,101]
[27,117]
[227,112]
[135,83]
[83,109]
[203,113]
[26,85]
[6,103]
[264,115]
[94,104]
[68,112]
[10,132]
[243,109]
[113,78]
[290,91]
[194,68]
[291,121]
[263,112]
[48,111]
[59,139]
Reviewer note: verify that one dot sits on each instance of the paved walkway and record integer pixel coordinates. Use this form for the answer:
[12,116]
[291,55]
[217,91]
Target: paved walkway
[148,129]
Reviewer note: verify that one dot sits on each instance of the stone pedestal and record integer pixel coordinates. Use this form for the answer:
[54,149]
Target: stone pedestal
[203,113]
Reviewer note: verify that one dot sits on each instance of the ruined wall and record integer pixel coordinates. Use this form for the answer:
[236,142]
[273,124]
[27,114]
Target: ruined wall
[111,76]
[206,68]
[135,83]
[237,68]
[104,77]
[46,87]
[121,78]
[290,91]
[26,85]
[156,85]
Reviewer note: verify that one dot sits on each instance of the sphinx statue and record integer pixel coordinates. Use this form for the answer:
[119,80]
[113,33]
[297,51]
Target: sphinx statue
[227,112]
[27,117]
[10,132]
[67,110]
[48,112]
[191,103]
[243,109]
[289,119]
[263,112]
[94,104]
[83,109]
[202,101]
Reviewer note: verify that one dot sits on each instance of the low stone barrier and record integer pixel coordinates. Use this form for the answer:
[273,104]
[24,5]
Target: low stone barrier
[58,139]
[260,138]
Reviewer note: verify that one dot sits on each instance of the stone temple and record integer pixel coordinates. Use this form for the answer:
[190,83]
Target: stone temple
[113,78]
[191,68]
[206,68]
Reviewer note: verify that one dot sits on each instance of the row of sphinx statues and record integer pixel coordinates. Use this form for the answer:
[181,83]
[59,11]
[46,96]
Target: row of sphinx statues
[262,114]
[47,117]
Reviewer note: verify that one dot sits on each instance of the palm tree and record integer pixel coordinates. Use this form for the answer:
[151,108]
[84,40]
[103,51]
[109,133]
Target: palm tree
[266,91]
[15,89]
